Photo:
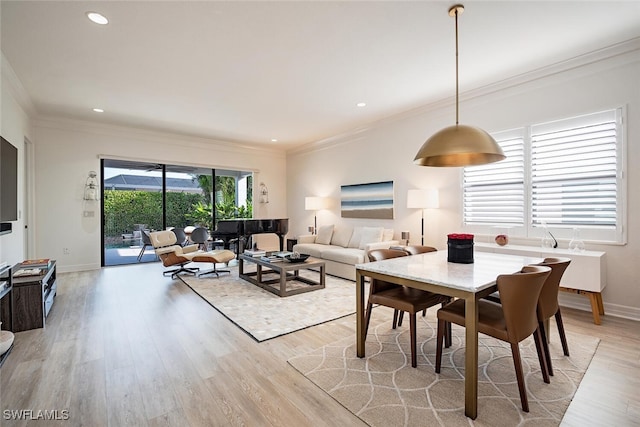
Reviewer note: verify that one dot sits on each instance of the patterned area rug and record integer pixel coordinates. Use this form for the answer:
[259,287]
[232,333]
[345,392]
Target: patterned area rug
[383,389]
[264,315]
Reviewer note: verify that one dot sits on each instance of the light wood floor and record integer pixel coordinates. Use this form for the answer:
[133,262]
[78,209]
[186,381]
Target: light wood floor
[125,346]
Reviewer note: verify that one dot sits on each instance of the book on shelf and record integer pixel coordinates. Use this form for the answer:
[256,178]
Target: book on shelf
[255,253]
[24,272]
[33,263]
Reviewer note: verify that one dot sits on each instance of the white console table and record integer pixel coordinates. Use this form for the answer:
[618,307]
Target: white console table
[586,275]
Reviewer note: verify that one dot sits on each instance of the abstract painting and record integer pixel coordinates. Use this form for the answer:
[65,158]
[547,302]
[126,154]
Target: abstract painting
[372,200]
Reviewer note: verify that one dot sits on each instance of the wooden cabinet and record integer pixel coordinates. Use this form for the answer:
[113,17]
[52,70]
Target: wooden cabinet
[586,275]
[33,298]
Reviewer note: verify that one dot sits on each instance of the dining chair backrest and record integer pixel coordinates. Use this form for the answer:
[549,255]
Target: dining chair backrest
[548,301]
[379,255]
[418,249]
[519,295]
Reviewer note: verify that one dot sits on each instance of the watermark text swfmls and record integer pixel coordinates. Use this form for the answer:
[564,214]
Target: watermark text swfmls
[40,414]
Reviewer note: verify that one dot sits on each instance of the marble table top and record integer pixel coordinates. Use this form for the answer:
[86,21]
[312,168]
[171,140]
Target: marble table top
[433,268]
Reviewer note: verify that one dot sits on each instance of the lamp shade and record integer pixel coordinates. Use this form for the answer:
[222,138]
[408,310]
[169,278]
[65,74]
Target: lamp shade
[316,203]
[423,199]
[459,145]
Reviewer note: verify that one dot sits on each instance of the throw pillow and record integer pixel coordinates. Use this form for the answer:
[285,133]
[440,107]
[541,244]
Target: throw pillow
[354,242]
[387,234]
[341,236]
[370,235]
[324,234]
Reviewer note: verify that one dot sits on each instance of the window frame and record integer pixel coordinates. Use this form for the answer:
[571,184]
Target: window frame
[529,230]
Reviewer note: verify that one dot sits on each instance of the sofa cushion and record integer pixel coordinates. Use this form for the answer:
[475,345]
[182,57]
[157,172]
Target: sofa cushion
[370,235]
[341,236]
[314,249]
[344,255]
[324,234]
[354,242]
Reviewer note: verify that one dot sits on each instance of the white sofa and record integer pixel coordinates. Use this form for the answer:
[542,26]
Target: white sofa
[342,247]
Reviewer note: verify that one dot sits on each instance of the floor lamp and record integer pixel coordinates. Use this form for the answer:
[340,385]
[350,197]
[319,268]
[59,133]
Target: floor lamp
[423,199]
[315,204]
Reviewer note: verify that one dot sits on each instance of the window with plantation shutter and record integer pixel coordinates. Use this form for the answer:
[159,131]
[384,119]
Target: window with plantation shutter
[574,172]
[563,175]
[494,193]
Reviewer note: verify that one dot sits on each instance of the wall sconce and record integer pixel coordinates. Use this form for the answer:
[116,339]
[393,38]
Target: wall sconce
[264,193]
[423,199]
[91,187]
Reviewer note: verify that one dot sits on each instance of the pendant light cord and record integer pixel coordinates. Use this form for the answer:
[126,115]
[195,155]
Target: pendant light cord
[457,101]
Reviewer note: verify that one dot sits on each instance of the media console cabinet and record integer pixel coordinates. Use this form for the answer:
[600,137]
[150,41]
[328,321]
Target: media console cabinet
[33,298]
[586,275]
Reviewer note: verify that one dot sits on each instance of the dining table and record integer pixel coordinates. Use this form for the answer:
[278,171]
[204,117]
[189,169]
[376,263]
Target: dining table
[433,272]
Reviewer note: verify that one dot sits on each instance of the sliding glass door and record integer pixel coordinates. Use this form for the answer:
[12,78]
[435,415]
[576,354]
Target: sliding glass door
[140,197]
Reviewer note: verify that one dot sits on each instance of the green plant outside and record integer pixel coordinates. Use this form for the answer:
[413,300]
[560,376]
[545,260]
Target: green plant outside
[124,209]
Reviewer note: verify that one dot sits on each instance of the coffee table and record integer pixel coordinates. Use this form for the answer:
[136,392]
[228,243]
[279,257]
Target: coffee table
[286,271]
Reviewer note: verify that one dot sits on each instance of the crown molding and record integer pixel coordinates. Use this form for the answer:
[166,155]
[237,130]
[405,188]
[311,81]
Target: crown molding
[153,136]
[16,88]
[621,53]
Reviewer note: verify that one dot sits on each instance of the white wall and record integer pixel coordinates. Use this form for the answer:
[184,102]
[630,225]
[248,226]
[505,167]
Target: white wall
[15,127]
[65,151]
[385,151]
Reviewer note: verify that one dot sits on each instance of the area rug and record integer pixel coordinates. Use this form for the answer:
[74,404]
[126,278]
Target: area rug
[264,315]
[383,389]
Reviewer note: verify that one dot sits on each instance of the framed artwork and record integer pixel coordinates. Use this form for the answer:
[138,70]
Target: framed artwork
[373,200]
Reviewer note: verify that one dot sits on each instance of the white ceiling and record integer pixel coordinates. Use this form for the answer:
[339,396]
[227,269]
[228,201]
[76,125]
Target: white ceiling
[253,71]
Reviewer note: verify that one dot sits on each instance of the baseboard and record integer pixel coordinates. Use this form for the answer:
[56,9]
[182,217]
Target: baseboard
[77,268]
[581,302]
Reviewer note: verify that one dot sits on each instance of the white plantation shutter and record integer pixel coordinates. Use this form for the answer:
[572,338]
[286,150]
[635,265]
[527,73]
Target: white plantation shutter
[495,193]
[566,174]
[574,172]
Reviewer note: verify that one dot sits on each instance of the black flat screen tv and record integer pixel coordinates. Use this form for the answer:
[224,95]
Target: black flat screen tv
[8,185]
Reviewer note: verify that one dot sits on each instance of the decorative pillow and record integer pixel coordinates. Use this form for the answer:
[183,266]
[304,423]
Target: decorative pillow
[341,236]
[324,234]
[387,234]
[370,235]
[354,242]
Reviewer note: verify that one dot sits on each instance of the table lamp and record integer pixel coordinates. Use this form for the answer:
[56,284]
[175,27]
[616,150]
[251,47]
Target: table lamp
[423,199]
[315,204]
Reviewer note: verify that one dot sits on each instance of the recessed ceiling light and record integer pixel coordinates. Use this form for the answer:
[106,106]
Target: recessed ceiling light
[361,104]
[274,140]
[98,110]
[97,18]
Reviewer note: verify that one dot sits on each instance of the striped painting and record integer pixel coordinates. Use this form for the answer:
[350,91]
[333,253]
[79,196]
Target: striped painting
[373,200]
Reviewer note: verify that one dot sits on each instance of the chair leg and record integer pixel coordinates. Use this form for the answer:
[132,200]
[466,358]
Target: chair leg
[214,271]
[440,336]
[563,337]
[400,317]
[412,331]
[182,269]
[545,347]
[543,353]
[395,319]
[367,318]
[517,363]
[447,335]
[424,312]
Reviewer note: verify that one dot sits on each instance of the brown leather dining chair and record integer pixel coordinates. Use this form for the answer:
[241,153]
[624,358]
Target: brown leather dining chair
[416,250]
[548,304]
[512,321]
[400,298]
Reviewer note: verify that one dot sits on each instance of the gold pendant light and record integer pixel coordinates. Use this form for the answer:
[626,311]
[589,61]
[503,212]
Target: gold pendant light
[459,145]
